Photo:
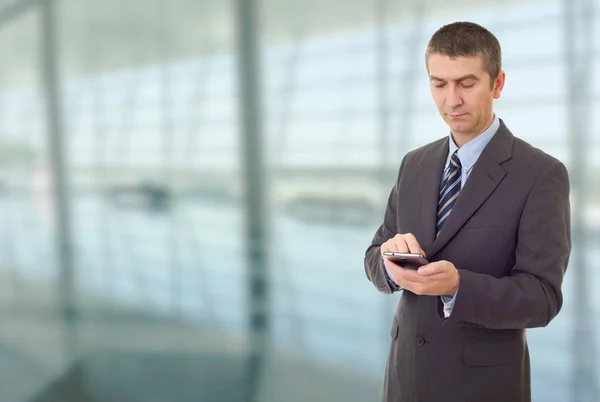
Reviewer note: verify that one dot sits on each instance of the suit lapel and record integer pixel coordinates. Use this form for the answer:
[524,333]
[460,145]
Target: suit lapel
[483,180]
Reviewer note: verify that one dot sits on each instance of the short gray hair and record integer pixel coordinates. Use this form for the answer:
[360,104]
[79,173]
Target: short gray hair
[467,39]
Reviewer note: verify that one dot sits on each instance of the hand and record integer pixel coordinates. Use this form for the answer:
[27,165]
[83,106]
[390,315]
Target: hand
[440,278]
[402,243]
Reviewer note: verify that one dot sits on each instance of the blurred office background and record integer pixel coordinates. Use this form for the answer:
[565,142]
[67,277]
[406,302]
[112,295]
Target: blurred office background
[187,188]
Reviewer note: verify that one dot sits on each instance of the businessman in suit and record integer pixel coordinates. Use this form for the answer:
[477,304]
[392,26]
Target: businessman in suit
[492,215]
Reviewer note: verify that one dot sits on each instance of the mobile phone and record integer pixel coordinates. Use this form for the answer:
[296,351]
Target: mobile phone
[406,260]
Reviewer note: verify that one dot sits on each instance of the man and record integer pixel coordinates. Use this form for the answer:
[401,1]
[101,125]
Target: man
[492,215]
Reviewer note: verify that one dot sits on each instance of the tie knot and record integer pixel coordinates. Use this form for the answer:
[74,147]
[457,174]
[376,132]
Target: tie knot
[455,161]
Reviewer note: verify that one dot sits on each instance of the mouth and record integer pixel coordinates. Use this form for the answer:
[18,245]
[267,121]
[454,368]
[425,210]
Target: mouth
[456,115]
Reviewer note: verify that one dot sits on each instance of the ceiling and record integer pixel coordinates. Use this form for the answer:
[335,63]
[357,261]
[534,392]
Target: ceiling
[110,34]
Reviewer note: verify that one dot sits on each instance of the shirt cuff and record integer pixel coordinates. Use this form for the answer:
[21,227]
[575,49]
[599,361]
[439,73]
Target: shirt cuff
[448,304]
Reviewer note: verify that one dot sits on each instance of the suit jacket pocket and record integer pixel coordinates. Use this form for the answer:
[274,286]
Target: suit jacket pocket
[488,220]
[484,354]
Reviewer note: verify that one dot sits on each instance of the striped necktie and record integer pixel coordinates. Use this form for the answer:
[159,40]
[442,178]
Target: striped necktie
[449,191]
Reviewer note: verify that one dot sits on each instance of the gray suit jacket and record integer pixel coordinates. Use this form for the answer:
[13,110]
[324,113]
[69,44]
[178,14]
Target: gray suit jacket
[509,235]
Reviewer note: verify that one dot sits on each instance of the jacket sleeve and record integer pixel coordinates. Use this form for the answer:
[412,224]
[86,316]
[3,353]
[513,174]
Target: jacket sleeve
[374,267]
[531,295]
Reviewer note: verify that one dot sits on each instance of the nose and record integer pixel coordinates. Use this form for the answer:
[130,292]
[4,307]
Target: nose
[453,99]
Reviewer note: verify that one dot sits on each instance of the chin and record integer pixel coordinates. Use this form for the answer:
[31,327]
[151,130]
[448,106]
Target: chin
[455,125]
[458,128]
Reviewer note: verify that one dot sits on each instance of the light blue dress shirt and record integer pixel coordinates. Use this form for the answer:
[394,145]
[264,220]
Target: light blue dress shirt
[468,155]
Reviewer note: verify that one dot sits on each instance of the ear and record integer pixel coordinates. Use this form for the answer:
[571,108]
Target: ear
[499,84]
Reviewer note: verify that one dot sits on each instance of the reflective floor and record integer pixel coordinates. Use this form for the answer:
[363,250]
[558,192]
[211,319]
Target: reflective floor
[323,309]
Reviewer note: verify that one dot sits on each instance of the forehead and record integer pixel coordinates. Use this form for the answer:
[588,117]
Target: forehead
[451,68]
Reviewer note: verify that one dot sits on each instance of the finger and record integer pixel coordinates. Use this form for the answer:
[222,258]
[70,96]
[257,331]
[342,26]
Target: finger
[427,270]
[389,264]
[394,267]
[413,244]
[434,268]
[393,270]
[400,244]
[410,275]
[387,246]
[419,288]
[407,279]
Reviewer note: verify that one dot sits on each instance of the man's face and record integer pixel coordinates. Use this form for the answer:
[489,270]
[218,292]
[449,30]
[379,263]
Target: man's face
[463,93]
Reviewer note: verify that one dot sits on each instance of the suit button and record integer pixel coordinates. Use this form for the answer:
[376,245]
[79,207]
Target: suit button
[420,341]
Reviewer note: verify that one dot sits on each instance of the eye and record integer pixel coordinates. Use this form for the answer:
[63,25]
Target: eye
[440,85]
[469,85]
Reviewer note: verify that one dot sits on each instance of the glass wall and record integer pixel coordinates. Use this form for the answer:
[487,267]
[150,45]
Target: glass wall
[127,261]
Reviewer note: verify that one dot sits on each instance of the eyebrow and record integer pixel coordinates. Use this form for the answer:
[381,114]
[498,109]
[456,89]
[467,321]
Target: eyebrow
[464,77]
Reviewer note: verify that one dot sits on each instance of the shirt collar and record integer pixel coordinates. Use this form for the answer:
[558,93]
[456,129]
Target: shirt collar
[469,153]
